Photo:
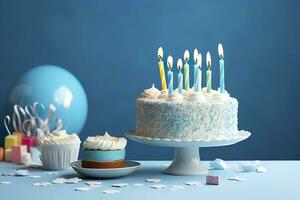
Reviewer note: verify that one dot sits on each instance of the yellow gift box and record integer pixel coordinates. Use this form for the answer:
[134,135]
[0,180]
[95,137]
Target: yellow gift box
[11,140]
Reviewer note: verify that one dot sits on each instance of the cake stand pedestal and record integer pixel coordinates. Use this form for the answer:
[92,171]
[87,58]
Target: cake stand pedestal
[186,160]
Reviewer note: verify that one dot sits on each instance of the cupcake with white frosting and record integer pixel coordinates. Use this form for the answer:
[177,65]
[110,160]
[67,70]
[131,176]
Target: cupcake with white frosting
[59,149]
[103,151]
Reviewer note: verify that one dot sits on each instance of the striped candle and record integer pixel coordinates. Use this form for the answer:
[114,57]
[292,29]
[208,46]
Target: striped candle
[161,67]
[208,73]
[222,73]
[180,77]
[170,74]
[186,69]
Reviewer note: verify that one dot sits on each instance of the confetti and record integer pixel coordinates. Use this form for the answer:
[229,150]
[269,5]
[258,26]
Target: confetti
[138,184]
[59,181]
[218,164]
[73,180]
[22,172]
[212,180]
[176,188]
[249,166]
[83,189]
[193,183]
[237,178]
[261,170]
[51,173]
[93,183]
[5,182]
[158,186]
[34,176]
[119,185]
[110,191]
[153,180]
[43,184]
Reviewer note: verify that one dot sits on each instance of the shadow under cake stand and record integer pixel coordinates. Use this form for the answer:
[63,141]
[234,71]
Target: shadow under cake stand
[186,160]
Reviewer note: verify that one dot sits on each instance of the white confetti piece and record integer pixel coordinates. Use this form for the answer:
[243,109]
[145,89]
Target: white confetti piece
[237,178]
[119,185]
[93,183]
[158,186]
[34,176]
[193,183]
[218,164]
[176,188]
[22,172]
[8,173]
[83,189]
[73,180]
[51,173]
[261,170]
[249,166]
[5,182]
[43,184]
[138,184]
[111,191]
[153,180]
[59,181]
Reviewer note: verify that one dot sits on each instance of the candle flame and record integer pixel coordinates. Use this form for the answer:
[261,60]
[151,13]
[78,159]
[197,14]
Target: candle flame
[208,59]
[179,64]
[200,60]
[186,55]
[220,51]
[160,53]
[170,62]
[196,59]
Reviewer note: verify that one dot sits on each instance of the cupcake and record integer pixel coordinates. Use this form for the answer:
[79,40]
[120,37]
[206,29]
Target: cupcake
[103,152]
[59,149]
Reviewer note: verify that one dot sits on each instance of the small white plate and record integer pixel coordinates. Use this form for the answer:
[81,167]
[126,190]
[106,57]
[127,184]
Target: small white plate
[129,167]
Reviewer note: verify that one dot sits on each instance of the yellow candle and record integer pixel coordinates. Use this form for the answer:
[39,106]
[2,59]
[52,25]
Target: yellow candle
[161,68]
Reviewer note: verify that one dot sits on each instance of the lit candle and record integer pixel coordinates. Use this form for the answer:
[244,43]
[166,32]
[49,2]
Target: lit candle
[170,74]
[208,73]
[160,65]
[180,77]
[186,69]
[222,73]
[196,71]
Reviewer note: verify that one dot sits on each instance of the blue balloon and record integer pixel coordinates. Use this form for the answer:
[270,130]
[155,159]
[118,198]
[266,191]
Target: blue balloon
[53,85]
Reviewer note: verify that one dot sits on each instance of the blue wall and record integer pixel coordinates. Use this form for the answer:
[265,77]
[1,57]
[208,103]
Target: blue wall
[111,47]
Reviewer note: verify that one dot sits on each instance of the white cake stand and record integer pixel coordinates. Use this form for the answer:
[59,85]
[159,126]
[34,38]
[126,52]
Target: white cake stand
[187,159]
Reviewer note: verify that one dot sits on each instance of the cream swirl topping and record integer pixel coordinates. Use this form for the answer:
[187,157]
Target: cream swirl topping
[151,93]
[175,96]
[195,96]
[60,137]
[163,94]
[105,142]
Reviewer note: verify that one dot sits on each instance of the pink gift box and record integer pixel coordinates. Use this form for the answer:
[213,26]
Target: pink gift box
[29,141]
[16,153]
[213,180]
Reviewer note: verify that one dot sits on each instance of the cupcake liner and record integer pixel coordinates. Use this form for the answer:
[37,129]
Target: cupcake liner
[59,156]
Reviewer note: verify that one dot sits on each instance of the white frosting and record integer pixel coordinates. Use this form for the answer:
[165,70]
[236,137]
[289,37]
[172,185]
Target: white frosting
[163,94]
[175,96]
[195,96]
[151,93]
[220,97]
[60,137]
[105,142]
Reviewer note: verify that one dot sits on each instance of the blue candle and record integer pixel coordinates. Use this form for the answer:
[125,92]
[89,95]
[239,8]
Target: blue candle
[180,76]
[170,75]
[222,73]
[197,78]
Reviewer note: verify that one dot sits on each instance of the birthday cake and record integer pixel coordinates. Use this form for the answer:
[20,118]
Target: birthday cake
[187,113]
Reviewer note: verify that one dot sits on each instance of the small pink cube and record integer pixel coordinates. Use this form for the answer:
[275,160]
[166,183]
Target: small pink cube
[212,180]
[29,141]
[16,153]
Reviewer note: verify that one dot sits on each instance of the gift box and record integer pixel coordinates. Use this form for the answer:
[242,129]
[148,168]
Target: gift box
[29,141]
[1,154]
[10,141]
[20,136]
[7,153]
[17,152]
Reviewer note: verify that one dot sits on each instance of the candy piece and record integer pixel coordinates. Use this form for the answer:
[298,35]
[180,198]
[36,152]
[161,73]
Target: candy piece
[35,154]
[26,158]
[218,164]
[29,141]
[10,141]
[212,180]
[17,151]
[8,155]
[20,136]
[1,154]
